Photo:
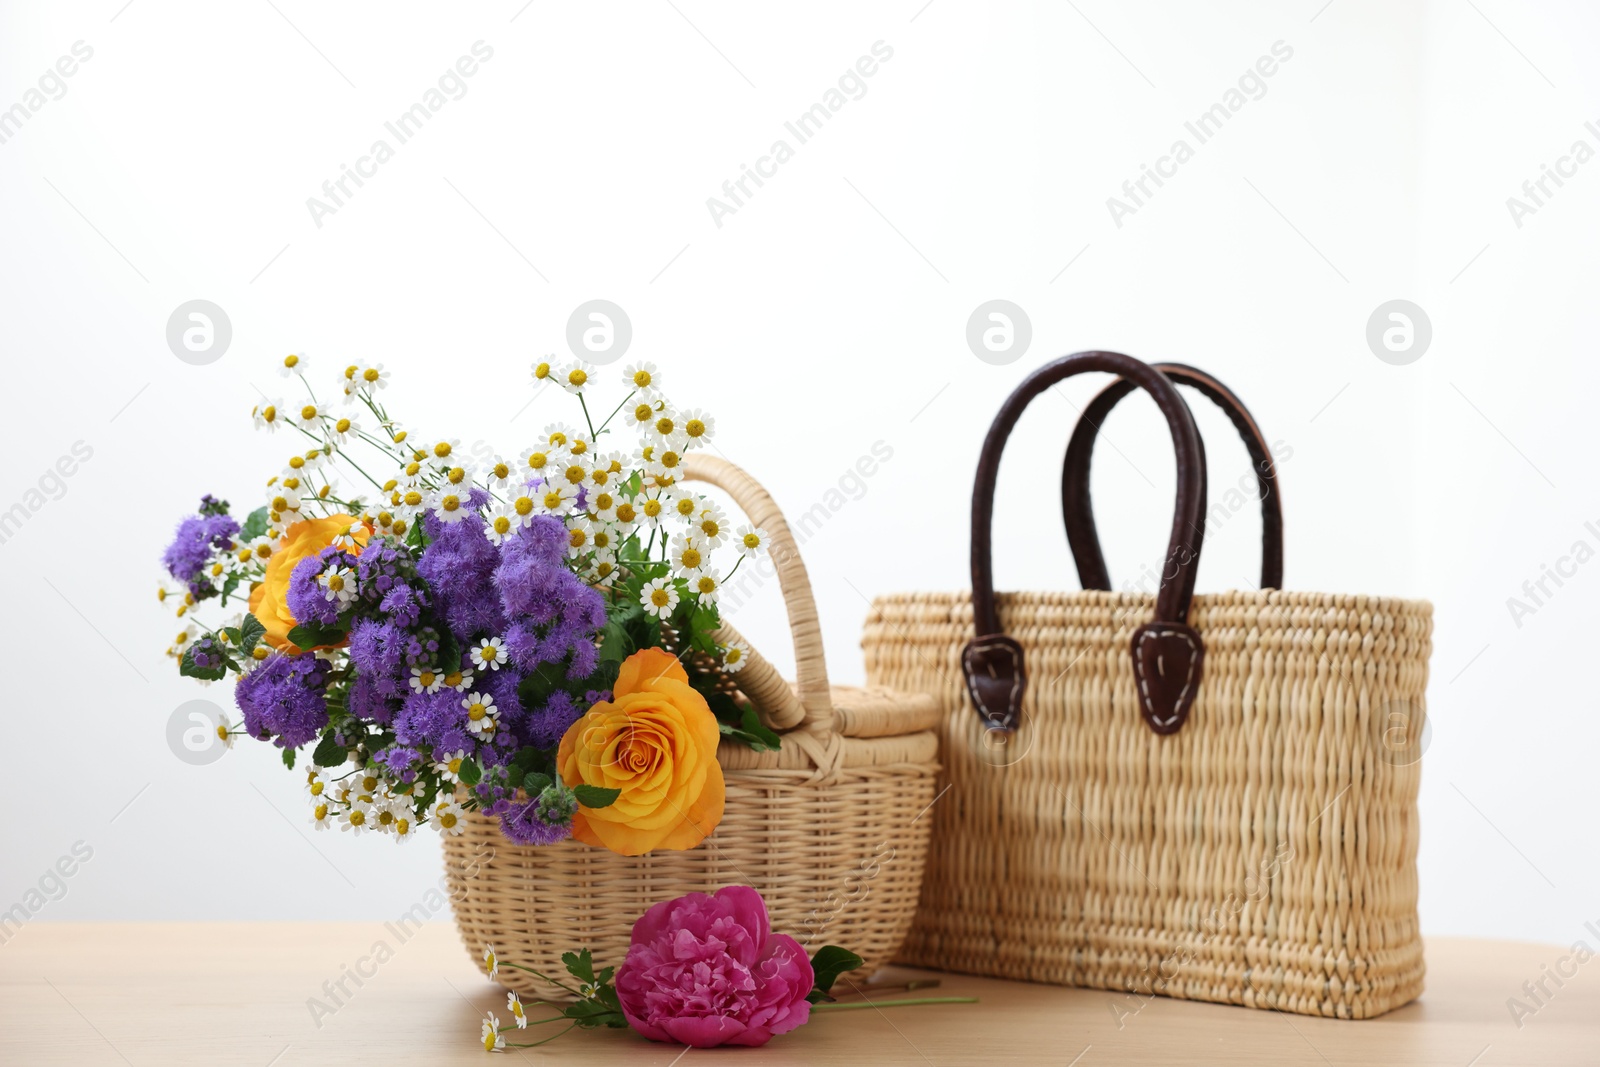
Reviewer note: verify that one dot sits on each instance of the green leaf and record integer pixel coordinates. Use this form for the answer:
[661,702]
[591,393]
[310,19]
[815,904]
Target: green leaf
[470,773]
[594,796]
[310,636]
[513,776]
[250,634]
[751,724]
[829,962]
[703,622]
[580,965]
[329,753]
[535,782]
[255,524]
[229,586]
[288,758]
[187,668]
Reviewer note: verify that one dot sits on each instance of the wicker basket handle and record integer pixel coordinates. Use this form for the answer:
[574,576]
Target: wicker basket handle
[1078,509]
[809,703]
[1167,652]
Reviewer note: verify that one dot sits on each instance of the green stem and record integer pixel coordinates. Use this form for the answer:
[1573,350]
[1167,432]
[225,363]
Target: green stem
[586,419]
[613,415]
[894,1003]
[536,974]
[536,1044]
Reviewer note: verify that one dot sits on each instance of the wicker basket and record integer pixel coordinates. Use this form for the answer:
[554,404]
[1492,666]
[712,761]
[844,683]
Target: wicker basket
[829,829]
[1256,847]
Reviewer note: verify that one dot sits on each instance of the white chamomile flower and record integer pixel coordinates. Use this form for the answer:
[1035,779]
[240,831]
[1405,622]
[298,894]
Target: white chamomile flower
[734,656]
[372,377]
[642,415]
[357,817]
[497,473]
[343,430]
[750,540]
[573,377]
[523,507]
[626,516]
[492,1041]
[603,505]
[502,525]
[456,479]
[383,816]
[666,459]
[711,524]
[318,781]
[460,680]
[580,536]
[224,732]
[450,766]
[606,471]
[285,500]
[348,378]
[603,568]
[544,370]
[409,502]
[697,427]
[488,654]
[659,598]
[338,584]
[602,537]
[268,415]
[706,585]
[451,506]
[574,472]
[682,505]
[447,817]
[322,815]
[292,364]
[642,376]
[555,498]
[654,511]
[426,680]
[559,435]
[309,415]
[514,1006]
[491,961]
[580,445]
[347,539]
[541,459]
[688,555]
[483,718]
[404,829]
[665,426]
[444,454]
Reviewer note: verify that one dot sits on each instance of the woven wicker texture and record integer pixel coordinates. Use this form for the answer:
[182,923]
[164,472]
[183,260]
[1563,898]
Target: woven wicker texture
[831,829]
[1265,855]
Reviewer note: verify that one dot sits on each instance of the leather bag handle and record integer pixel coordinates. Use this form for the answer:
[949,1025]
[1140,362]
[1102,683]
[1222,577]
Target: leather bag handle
[1167,653]
[1078,510]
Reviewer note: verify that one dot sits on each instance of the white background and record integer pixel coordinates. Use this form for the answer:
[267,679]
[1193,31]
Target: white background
[827,314]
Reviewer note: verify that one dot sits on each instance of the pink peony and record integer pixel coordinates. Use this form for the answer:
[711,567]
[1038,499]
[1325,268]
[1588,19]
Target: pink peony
[707,970]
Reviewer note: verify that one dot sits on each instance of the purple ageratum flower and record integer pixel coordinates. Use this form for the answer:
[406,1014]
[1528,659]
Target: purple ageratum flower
[459,566]
[366,701]
[197,537]
[284,699]
[708,970]
[545,726]
[436,721]
[388,578]
[378,653]
[205,654]
[400,761]
[543,820]
[308,600]
[555,614]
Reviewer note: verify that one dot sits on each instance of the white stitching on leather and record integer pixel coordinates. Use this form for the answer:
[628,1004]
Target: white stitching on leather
[1144,687]
[1016,673]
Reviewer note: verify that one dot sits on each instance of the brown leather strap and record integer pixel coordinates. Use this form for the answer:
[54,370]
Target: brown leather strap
[1167,653]
[1078,509]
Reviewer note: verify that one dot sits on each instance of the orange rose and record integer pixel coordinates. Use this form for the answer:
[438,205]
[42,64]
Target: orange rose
[656,740]
[269,600]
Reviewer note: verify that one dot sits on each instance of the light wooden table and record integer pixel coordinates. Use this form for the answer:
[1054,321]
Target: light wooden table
[231,994]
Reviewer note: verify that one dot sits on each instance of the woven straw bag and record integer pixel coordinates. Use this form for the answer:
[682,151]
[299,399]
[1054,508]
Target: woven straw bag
[827,828]
[1208,797]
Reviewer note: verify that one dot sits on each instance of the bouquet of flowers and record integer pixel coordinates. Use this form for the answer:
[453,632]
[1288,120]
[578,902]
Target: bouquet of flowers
[529,637]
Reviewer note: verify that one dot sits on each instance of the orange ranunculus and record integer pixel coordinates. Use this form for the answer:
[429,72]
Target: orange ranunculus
[656,740]
[269,600]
